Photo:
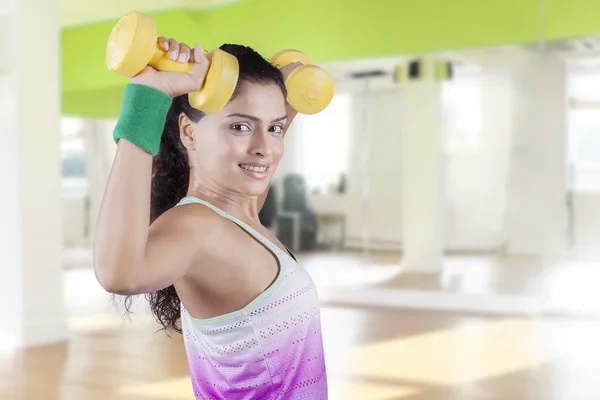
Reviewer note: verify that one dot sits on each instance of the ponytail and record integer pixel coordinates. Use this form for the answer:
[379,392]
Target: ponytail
[170,167]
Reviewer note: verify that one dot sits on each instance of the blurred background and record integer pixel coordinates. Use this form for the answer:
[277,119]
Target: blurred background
[446,203]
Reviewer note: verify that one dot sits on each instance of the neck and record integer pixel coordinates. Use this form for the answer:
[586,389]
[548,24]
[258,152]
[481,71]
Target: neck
[241,206]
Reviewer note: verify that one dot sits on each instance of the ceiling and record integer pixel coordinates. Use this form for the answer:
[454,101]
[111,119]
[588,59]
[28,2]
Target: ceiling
[83,12]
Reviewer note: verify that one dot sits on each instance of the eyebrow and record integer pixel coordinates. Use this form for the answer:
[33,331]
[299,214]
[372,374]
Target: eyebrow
[254,118]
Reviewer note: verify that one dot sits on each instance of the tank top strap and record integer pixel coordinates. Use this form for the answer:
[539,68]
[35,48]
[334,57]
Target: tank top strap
[253,232]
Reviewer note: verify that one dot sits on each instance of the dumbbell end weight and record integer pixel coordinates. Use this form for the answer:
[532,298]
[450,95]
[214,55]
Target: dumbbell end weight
[219,84]
[133,44]
[310,88]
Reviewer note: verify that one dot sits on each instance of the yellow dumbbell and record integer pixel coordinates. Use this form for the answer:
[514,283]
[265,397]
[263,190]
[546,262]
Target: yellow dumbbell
[133,44]
[310,89]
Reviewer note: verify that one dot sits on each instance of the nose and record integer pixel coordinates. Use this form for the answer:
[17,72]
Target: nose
[260,144]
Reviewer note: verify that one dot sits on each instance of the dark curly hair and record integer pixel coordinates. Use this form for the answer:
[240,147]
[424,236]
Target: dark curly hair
[171,168]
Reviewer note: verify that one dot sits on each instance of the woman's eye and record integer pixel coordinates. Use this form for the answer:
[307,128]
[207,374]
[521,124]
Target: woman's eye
[240,127]
[276,129]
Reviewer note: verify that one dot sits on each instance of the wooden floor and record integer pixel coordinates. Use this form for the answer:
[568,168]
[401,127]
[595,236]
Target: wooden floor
[372,354]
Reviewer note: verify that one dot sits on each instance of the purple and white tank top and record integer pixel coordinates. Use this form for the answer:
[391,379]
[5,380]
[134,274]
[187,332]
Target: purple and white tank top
[270,349]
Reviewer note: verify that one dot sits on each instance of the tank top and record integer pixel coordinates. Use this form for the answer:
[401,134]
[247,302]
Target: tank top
[270,349]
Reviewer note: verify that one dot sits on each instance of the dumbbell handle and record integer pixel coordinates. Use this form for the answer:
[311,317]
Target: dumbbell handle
[160,61]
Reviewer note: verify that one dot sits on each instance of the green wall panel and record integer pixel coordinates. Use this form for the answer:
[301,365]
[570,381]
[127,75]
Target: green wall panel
[331,30]
[571,18]
[101,103]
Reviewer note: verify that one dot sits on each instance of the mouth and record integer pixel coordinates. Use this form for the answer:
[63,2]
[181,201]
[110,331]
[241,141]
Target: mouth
[256,171]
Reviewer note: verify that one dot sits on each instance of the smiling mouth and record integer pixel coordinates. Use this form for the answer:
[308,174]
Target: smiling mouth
[255,171]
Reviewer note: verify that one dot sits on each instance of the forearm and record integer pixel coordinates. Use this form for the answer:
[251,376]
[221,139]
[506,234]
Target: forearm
[123,222]
[291,114]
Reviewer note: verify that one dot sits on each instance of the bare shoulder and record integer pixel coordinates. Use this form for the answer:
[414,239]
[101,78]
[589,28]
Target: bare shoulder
[190,223]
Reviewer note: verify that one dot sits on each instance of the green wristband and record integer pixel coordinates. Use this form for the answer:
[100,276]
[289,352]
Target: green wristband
[143,115]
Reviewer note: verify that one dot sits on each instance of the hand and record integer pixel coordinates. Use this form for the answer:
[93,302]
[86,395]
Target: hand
[291,113]
[287,70]
[176,83]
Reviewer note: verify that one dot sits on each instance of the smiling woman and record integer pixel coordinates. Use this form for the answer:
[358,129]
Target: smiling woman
[222,143]
[258,169]
[249,313]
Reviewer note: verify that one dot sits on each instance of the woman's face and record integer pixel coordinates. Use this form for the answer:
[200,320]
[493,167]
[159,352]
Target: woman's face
[238,149]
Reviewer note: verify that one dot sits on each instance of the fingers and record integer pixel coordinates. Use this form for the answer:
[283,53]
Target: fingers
[198,55]
[198,71]
[173,49]
[179,52]
[164,43]
[184,53]
[287,70]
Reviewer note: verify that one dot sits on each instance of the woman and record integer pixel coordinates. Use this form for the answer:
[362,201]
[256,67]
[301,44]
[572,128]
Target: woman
[248,312]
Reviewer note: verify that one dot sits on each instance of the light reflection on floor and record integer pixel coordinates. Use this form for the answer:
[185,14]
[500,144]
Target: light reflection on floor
[171,389]
[408,366]
[454,357]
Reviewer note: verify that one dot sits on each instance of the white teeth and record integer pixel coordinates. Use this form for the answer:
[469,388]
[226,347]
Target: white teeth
[255,169]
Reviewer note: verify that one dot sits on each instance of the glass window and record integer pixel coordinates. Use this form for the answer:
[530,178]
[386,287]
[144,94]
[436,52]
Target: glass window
[462,114]
[584,149]
[584,128]
[322,144]
[74,175]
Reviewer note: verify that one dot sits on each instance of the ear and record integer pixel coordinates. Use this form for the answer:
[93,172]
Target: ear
[186,132]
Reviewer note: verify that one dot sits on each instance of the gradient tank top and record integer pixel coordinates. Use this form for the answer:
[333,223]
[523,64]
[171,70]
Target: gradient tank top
[270,349]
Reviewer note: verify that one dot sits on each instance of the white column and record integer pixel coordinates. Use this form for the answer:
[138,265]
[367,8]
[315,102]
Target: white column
[498,115]
[421,160]
[31,283]
[536,213]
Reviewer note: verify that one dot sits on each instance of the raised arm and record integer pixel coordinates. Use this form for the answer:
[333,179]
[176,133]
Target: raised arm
[129,258]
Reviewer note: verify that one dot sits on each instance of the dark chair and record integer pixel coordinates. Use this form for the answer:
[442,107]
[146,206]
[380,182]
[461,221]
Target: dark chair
[297,224]
[268,213]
